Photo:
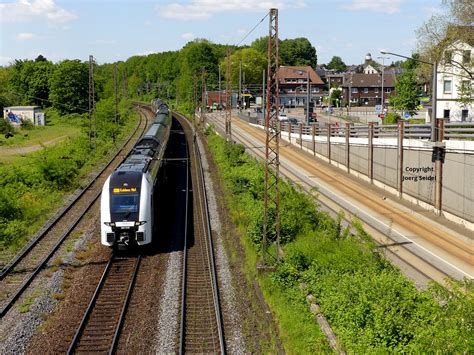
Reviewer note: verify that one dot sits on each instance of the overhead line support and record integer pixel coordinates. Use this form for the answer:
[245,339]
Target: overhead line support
[271,226]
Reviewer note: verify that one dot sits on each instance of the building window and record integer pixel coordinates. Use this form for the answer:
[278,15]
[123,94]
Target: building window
[447,86]
[315,89]
[466,57]
[464,115]
[354,90]
[388,90]
[366,90]
[446,114]
[376,90]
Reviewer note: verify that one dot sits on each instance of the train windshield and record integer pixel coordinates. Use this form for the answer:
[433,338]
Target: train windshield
[124,203]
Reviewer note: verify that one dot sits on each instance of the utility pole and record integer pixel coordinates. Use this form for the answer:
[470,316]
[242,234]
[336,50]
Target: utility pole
[383,72]
[194,104]
[220,101]
[271,223]
[240,85]
[116,100]
[307,96]
[92,123]
[228,108]
[203,98]
[125,83]
[263,94]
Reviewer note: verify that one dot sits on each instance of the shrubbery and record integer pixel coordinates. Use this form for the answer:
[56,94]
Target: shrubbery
[30,191]
[371,306]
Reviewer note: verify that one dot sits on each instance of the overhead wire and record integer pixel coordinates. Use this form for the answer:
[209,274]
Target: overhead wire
[253,29]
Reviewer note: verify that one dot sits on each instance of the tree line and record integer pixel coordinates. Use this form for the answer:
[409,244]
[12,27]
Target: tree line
[64,86]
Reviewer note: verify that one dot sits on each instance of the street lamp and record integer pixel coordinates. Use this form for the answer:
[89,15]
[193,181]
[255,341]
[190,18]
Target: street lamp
[383,70]
[434,136]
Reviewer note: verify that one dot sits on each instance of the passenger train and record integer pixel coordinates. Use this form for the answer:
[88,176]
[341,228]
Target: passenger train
[126,206]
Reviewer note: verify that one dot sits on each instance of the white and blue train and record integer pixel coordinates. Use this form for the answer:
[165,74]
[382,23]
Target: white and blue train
[127,200]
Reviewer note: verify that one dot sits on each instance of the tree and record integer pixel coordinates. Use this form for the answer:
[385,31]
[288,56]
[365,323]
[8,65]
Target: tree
[335,98]
[407,89]
[298,51]
[69,89]
[465,93]
[447,32]
[30,81]
[337,64]
[253,63]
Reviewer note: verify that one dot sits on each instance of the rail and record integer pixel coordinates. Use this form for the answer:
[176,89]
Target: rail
[200,332]
[60,240]
[103,333]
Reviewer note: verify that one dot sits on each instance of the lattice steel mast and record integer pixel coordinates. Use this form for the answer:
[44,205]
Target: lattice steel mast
[228,108]
[203,99]
[271,226]
[92,123]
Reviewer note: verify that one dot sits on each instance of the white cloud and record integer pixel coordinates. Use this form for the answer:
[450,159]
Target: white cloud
[385,6]
[28,10]
[25,36]
[188,36]
[204,9]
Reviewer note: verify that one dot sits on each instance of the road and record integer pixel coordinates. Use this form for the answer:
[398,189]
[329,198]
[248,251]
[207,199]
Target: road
[419,242]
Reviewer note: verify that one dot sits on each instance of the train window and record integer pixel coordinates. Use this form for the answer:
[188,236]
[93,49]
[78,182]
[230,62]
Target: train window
[124,203]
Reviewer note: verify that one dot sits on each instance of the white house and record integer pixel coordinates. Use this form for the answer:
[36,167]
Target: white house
[454,82]
[15,114]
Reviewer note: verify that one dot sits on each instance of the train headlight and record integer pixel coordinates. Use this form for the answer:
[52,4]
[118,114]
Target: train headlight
[110,224]
[140,223]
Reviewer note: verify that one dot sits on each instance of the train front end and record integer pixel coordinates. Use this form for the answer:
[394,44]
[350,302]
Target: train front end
[126,218]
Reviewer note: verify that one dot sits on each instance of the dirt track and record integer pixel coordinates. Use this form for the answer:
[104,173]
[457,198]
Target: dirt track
[9,151]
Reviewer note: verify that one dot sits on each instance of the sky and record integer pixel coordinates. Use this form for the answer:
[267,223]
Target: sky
[113,30]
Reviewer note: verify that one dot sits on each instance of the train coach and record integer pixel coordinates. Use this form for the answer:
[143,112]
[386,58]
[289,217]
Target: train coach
[126,206]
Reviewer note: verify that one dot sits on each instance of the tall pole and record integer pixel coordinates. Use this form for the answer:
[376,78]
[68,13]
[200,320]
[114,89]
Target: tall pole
[240,85]
[220,86]
[263,92]
[271,223]
[383,81]
[307,96]
[203,98]
[116,99]
[434,135]
[92,124]
[228,109]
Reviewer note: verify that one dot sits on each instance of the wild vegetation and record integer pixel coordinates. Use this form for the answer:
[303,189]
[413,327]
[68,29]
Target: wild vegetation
[34,185]
[371,306]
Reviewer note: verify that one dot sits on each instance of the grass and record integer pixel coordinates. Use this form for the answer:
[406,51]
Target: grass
[24,186]
[371,306]
[24,307]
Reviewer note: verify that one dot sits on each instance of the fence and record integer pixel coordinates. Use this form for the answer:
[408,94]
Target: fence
[401,159]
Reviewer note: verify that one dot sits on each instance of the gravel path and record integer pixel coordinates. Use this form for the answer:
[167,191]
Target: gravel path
[6,151]
[20,324]
[168,322]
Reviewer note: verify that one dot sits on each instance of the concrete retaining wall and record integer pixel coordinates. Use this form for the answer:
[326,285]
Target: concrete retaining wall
[412,174]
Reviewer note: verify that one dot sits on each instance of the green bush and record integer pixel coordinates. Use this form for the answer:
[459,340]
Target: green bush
[6,127]
[27,125]
[371,306]
[391,118]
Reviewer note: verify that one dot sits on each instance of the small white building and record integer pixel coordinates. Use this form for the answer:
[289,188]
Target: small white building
[453,81]
[16,114]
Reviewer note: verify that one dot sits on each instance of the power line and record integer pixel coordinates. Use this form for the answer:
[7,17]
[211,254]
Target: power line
[28,96]
[248,33]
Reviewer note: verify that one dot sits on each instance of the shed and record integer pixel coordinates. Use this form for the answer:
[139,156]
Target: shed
[16,114]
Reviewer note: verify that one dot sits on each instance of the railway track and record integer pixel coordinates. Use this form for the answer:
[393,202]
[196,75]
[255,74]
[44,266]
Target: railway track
[102,322]
[201,327]
[23,269]
[409,258]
